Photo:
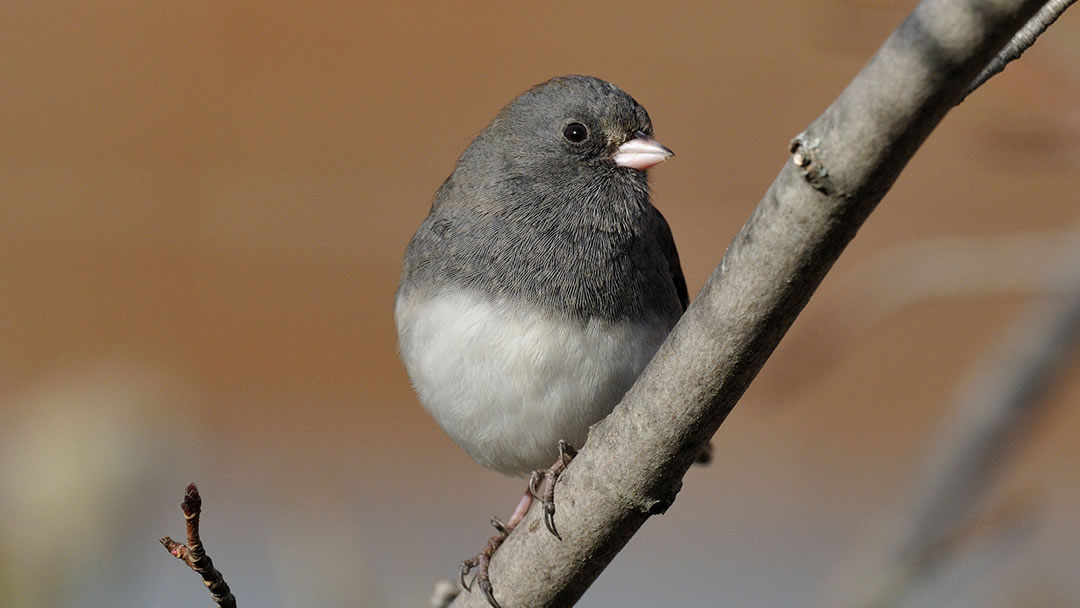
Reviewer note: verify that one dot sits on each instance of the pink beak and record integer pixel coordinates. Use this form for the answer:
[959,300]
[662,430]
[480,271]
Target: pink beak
[641,153]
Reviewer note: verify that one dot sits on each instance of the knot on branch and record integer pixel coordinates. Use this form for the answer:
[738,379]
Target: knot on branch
[804,154]
[658,505]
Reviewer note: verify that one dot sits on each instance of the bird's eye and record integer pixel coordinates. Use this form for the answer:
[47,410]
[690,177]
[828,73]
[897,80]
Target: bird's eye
[576,132]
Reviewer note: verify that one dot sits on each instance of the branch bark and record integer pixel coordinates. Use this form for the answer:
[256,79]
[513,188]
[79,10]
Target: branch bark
[840,167]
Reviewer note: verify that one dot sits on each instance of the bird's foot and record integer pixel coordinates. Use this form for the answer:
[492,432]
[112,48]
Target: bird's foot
[551,477]
[546,496]
[483,559]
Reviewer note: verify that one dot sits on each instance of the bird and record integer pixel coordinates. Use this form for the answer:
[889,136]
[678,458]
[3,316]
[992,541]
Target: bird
[540,284]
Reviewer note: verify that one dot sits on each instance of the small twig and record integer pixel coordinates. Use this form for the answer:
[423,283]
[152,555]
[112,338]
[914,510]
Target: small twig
[1020,42]
[194,555]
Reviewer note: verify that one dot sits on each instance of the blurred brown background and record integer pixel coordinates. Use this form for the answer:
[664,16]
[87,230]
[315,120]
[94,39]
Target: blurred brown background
[203,213]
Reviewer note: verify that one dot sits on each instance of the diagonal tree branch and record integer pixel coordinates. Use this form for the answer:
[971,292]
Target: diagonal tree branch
[840,168]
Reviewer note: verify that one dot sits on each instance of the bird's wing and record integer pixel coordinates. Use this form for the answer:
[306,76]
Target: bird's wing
[667,245]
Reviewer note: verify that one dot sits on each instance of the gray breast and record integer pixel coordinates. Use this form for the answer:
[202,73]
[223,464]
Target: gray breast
[581,268]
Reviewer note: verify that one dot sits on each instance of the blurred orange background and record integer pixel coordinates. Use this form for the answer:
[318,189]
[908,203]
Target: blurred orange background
[203,213]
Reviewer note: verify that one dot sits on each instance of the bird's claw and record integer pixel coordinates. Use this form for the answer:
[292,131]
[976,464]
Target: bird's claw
[481,579]
[549,515]
[551,475]
[481,562]
[485,585]
[466,567]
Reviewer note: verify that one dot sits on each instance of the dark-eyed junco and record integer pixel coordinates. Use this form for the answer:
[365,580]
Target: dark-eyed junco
[542,281]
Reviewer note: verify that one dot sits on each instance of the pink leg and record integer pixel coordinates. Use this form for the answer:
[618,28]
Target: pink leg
[520,511]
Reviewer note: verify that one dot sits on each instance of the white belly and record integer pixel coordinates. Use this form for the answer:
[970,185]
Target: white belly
[507,384]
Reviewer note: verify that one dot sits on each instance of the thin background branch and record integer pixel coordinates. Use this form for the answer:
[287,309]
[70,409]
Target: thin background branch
[989,414]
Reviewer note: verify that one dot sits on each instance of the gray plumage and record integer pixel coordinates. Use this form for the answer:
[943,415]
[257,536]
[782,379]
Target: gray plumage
[528,214]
